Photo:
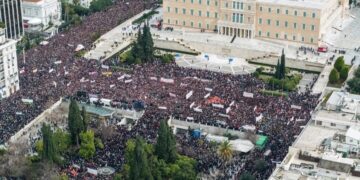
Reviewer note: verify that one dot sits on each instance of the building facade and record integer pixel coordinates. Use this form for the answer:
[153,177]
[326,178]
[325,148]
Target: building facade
[11,16]
[39,14]
[9,76]
[303,21]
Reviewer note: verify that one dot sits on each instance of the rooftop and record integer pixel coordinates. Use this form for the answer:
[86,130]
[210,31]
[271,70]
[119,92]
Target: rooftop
[313,4]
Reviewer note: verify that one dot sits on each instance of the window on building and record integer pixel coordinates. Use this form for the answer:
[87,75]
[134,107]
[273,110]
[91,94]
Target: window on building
[241,18]
[260,8]
[277,23]
[294,38]
[234,5]
[176,10]
[184,11]
[249,8]
[285,36]
[216,3]
[234,17]
[242,6]
[295,13]
[199,24]
[331,124]
[237,18]
[226,5]
[317,122]
[207,26]
[259,33]
[183,1]
[286,11]
[176,22]
[216,15]
[313,15]
[226,17]
[199,13]
[192,1]
[278,11]
[192,12]
[268,34]
[304,14]
[238,5]
[295,25]
[286,24]
[260,21]
[269,22]
[207,14]
[192,24]
[184,23]
[269,10]
[168,21]
[168,9]
[304,26]
[312,27]
[208,2]
[199,1]
[277,35]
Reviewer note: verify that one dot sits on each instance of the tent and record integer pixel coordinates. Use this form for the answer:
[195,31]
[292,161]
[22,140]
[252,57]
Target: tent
[242,145]
[261,141]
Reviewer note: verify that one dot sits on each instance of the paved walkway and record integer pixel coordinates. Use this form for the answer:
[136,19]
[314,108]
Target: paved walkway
[115,40]
[216,63]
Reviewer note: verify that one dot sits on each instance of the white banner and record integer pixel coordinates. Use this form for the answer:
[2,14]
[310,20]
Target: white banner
[164,80]
[190,118]
[208,89]
[183,85]
[57,62]
[249,95]
[192,104]
[188,95]
[162,107]
[207,95]
[198,110]
[172,95]
[51,70]
[228,110]
[257,119]
[232,103]
[224,115]
[218,105]
[295,107]
[34,71]
[153,78]
[68,84]
[128,81]
[112,85]
[104,66]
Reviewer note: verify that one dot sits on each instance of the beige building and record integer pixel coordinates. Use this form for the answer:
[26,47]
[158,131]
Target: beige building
[303,21]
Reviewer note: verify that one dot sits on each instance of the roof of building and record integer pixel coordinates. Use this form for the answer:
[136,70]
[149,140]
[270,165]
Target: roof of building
[312,4]
[354,132]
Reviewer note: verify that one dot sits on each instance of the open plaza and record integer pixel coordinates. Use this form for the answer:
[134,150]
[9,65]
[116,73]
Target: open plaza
[216,89]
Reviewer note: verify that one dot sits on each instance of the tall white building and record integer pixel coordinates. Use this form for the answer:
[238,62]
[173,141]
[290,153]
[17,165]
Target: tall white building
[37,14]
[9,76]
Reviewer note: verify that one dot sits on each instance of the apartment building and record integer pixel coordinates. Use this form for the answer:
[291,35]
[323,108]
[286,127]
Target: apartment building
[303,21]
[11,16]
[9,77]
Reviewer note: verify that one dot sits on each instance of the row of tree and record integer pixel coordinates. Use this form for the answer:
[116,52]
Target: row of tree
[280,71]
[145,161]
[142,49]
[354,83]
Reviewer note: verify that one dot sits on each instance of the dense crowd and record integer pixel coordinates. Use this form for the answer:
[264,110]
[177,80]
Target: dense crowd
[52,71]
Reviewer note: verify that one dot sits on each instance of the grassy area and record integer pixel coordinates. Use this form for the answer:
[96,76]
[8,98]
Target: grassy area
[145,17]
[274,93]
[264,77]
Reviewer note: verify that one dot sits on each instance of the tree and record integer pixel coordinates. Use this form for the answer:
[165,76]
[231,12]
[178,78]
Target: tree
[98,5]
[260,165]
[277,70]
[75,122]
[138,161]
[339,63]
[354,85]
[225,151]
[165,146]
[334,76]
[62,141]
[344,73]
[184,169]
[49,151]
[85,118]
[282,65]
[247,176]
[148,45]
[87,147]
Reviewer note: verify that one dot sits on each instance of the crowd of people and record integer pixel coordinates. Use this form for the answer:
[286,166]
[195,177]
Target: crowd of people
[52,71]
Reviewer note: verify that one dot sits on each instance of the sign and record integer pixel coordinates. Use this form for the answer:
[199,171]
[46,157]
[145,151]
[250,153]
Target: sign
[228,110]
[198,110]
[153,78]
[218,105]
[232,103]
[295,107]
[162,107]
[208,89]
[128,81]
[207,95]
[57,62]
[249,95]
[172,95]
[27,101]
[112,85]
[188,95]
[164,80]
[192,104]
